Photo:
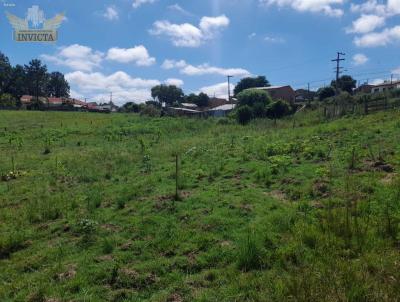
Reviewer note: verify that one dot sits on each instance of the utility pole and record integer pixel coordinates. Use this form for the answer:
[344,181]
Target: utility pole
[111,97]
[229,87]
[391,79]
[338,68]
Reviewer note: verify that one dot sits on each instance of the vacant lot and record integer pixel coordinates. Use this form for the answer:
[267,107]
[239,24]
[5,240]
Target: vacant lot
[88,210]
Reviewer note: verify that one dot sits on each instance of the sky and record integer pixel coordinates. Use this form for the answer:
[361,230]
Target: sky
[128,46]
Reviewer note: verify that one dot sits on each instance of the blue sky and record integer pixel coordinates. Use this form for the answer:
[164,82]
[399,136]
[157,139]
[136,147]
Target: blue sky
[127,46]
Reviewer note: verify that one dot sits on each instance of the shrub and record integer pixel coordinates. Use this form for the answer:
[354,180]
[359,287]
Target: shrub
[244,115]
[151,111]
[278,109]
[250,97]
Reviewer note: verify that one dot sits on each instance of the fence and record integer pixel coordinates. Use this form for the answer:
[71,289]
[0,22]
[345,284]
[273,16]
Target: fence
[368,106]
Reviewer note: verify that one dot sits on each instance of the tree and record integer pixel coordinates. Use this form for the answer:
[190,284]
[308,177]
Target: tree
[244,114]
[345,83]
[57,85]
[131,107]
[37,78]
[247,83]
[18,83]
[325,93]
[253,96]
[168,94]
[202,100]
[5,73]
[7,100]
[278,109]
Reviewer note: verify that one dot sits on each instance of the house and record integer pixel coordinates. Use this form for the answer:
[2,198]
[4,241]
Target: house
[176,111]
[189,106]
[285,93]
[364,88]
[216,102]
[386,86]
[221,111]
[304,95]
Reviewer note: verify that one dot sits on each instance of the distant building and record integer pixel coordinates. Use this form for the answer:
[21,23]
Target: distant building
[285,93]
[364,88]
[221,111]
[189,106]
[216,102]
[386,86]
[304,95]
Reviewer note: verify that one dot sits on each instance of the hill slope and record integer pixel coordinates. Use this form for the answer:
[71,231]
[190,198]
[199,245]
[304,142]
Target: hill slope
[88,209]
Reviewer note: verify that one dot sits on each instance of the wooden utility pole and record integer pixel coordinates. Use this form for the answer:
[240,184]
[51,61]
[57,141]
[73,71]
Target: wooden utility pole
[338,68]
[229,87]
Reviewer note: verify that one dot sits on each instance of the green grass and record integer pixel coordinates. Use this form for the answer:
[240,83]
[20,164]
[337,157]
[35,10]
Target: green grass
[88,210]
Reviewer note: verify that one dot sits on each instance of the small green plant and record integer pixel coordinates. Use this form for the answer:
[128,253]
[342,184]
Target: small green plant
[250,254]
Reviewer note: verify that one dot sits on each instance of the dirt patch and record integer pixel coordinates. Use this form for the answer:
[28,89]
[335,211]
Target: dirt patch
[321,189]
[389,179]
[110,227]
[69,274]
[175,298]
[278,195]
[379,165]
[104,258]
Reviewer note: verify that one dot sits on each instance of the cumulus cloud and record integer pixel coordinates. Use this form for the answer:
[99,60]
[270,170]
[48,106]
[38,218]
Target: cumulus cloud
[188,35]
[123,86]
[374,15]
[111,13]
[219,90]
[76,57]
[138,54]
[175,82]
[360,59]
[366,24]
[203,69]
[327,7]
[138,3]
[383,38]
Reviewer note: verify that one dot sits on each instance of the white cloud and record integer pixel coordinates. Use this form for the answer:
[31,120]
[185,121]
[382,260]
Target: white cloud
[188,35]
[387,36]
[252,36]
[369,7]
[396,71]
[76,57]
[138,3]
[175,82]
[111,13]
[218,90]
[98,86]
[366,24]
[176,7]
[203,69]
[137,54]
[360,59]
[274,40]
[328,7]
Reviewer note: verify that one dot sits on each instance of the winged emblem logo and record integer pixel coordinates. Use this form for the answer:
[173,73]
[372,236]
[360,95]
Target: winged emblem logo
[35,27]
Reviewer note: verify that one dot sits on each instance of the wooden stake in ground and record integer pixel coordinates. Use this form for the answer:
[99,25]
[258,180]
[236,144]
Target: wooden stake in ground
[176,177]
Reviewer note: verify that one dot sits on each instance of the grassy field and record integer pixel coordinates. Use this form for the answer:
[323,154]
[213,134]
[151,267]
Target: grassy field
[88,210]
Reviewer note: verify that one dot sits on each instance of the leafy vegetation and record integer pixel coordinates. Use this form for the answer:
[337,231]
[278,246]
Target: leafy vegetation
[266,212]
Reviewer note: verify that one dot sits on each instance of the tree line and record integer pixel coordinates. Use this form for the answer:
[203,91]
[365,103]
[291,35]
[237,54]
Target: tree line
[30,79]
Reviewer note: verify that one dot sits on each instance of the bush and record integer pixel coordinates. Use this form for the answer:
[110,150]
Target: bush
[244,115]
[250,97]
[151,111]
[278,109]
